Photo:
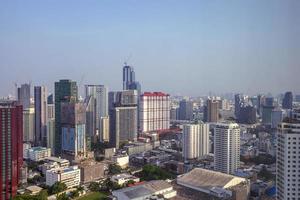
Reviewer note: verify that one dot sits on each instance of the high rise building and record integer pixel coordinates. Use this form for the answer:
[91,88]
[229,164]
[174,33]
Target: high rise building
[73,119]
[90,108]
[266,114]
[100,95]
[128,76]
[211,111]
[195,140]
[11,150]
[154,112]
[28,125]
[24,95]
[65,91]
[288,158]
[276,117]
[269,101]
[247,115]
[40,108]
[227,147]
[185,110]
[123,117]
[287,102]
[104,131]
[51,126]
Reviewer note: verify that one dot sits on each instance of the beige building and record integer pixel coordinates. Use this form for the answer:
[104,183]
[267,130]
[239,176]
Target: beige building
[28,125]
[104,130]
[91,170]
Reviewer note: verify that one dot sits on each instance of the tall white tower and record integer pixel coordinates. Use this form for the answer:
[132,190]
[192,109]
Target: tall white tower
[195,140]
[288,159]
[227,147]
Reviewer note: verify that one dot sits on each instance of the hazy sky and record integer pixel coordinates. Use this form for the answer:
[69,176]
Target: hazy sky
[181,47]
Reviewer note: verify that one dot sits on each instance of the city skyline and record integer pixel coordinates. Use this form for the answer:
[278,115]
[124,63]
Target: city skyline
[206,46]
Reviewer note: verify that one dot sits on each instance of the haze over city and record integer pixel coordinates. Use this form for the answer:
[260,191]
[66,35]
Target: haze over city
[187,48]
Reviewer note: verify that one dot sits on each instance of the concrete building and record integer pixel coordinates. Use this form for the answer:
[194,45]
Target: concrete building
[211,111]
[91,120]
[40,115]
[92,171]
[51,127]
[266,114]
[37,153]
[70,176]
[195,140]
[247,115]
[104,130]
[154,112]
[276,117]
[73,120]
[28,125]
[121,159]
[216,185]
[100,96]
[148,190]
[11,148]
[65,91]
[122,179]
[287,102]
[185,110]
[288,159]
[123,118]
[227,147]
[24,95]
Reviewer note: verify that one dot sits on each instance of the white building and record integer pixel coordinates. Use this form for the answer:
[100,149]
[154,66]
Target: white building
[154,112]
[195,140]
[70,176]
[124,178]
[288,159]
[28,125]
[37,153]
[121,160]
[227,147]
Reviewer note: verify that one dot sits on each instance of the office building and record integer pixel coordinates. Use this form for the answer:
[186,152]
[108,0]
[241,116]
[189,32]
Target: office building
[128,76]
[269,101]
[195,140]
[123,118]
[227,147]
[37,153]
[266,114]
[28,125]
[185,110]
[73,119]
[154,112]
[287,102]
[104,131]
[11,150]
[24,95]
[70,176]
[65,91]
[276,117]
[211,111]
[288,159]
[51,127]
[247,114]
[40,108]
[91,121]
[92,171]
[100,95]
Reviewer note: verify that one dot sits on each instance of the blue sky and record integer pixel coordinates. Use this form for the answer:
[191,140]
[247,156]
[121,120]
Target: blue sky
[180,47]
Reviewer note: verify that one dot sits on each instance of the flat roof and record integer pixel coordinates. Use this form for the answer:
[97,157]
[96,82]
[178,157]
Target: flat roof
[56,159]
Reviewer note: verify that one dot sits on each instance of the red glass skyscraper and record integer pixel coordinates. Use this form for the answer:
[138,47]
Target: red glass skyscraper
[11,148]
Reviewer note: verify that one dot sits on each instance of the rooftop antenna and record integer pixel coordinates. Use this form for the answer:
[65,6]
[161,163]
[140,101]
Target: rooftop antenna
[127,59]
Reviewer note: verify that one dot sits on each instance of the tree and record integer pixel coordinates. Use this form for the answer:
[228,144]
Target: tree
[94,187]
[74,194]
[42,195]
[57,188]
[62,196]
[114,169]
[265,174]
[152,172]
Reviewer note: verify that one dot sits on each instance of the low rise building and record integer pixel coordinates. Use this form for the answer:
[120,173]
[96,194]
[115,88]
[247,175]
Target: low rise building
[124,178]
[70,176]
[37,153]
[121,159]
[92,170]
[147,190]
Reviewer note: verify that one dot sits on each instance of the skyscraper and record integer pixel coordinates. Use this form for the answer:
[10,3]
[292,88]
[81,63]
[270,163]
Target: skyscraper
[51,126]
[287,102]
[211,111]
[185,110]
[227,147]
[24,95]
[195,140]
[28,125]
[90,108]
[128,76]
[73,120]
[40,108]
[154,112]
[123,117]
[288,158]
[11,151]
[65,91]
[100,95]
